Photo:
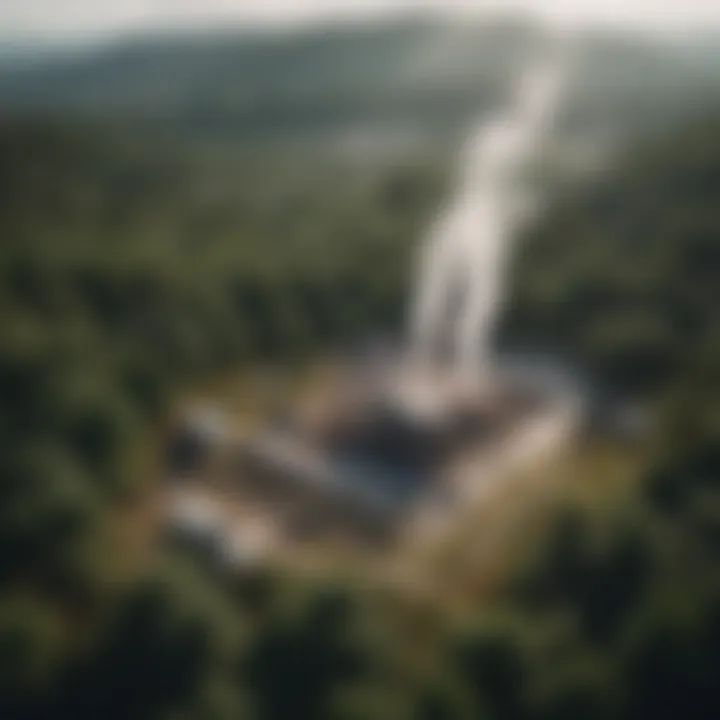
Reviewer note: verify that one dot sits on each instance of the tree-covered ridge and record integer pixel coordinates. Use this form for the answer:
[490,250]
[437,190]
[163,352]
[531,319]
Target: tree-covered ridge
[425,76]
[244,84]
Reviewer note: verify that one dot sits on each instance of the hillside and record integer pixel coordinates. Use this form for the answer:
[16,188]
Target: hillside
[422,76]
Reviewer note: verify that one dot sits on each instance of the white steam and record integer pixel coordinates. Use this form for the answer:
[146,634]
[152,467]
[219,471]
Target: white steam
[466,249]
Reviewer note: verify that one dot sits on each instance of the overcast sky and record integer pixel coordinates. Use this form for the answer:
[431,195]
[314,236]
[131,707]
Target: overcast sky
[82,17]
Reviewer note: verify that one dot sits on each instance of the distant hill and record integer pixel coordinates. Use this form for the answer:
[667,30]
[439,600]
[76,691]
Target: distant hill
[402,74]
[419,75]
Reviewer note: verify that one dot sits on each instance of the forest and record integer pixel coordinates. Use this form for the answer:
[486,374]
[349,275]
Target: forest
[131,268]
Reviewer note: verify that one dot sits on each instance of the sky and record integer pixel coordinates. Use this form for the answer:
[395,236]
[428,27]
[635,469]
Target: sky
[58,18]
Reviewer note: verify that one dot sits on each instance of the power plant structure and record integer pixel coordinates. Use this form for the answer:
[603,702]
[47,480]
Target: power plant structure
[366,452]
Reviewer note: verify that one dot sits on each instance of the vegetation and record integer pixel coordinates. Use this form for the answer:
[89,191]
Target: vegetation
[128,270]
[125,273]
[389,81]
[624,278]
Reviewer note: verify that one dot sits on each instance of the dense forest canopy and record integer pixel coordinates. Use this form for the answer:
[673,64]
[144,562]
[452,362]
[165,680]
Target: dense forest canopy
[624,277]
